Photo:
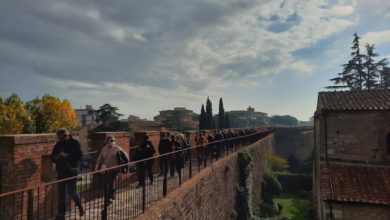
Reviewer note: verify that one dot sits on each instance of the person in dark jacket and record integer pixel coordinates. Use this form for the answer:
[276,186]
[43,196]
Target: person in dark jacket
[164,147]
[145,151]
[178,156]
[66,155]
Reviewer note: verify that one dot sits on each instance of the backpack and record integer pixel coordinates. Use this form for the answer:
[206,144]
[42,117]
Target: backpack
[122,159]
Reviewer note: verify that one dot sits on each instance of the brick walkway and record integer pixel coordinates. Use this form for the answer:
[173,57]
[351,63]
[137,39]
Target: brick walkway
[128,202]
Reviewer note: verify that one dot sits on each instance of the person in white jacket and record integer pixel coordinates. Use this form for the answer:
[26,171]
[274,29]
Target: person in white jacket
[108,157]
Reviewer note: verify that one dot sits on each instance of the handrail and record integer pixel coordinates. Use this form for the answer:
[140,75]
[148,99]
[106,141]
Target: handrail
[97,192]
[124,165]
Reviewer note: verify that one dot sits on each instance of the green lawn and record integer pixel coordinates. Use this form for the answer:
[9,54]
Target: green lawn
[294,208]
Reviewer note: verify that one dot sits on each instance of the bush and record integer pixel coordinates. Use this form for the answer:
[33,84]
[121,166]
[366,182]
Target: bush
[292,183]
[278,163]
[268,210]
[271,185]
[297,166]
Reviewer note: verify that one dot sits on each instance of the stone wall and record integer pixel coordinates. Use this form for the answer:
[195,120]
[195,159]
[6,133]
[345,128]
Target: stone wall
[294,141]
[211,194]
[357,211]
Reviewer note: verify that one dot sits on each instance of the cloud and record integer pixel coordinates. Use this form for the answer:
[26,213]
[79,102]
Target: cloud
[153,51]
[379,37]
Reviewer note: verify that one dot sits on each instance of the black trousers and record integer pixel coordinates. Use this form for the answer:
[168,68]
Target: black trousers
[145,166]
[110,179]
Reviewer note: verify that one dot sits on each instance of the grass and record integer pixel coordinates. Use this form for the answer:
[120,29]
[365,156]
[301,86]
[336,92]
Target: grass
[81,187]
[293,208]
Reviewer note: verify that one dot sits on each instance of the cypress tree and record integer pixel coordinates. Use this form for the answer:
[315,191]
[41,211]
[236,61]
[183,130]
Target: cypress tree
[202,118]
[209,115]
[221,115]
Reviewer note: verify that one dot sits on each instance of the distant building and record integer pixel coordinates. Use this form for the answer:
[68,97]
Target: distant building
[85,116]
[249,114]
[187,118]
[145,125]
[133,118]
[184,114]
[352,155]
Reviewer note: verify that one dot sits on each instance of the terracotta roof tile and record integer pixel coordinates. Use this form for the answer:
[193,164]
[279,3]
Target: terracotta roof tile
[354,100]
[355,183]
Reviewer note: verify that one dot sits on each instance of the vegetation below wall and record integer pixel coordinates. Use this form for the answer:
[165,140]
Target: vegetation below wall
[294,208]
[243,203]
[285,195]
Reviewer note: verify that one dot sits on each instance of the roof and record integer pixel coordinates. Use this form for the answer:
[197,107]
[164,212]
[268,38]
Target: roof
[355,183]
[354,100]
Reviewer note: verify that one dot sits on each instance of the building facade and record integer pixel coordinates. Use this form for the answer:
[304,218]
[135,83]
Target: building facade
[352,155]
[85,116]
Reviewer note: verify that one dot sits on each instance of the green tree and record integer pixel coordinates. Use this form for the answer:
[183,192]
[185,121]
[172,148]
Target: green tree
[284,120]
[202,119]
[107,114]
[13,116]
[36,116]
[352,76]
[373,69]
[385,78]
[221,115]
[209,115]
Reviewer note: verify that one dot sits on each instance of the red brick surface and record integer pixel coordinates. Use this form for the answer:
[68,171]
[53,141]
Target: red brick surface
[211,194]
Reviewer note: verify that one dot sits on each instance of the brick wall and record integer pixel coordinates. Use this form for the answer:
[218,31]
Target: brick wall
[358,211]
[357,136]
[21,158]
[23,161]
[211,194]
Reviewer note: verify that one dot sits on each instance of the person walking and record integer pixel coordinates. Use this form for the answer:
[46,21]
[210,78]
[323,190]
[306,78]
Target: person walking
[145,151]
[66,155]
[178,156]
[110,156]
[164,147]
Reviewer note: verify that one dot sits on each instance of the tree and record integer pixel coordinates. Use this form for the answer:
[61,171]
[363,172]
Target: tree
[373,69]
[202,119]
[284,120]
[385,78]
[361,72]
[37,116]
[107,114]
[221,115]
[55,114]
[352,76]
[209,115]
[357,63]
[227,121]
[13,116]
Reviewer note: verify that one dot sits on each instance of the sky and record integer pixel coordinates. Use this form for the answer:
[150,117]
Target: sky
[146,56]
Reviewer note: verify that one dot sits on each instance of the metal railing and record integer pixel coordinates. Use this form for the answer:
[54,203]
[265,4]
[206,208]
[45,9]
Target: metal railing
[131,198]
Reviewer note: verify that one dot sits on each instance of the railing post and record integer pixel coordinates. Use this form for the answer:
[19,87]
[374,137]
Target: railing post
[165,185]
[30,205]
[190,174]
[106,199]
[144,190]
[205,156]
